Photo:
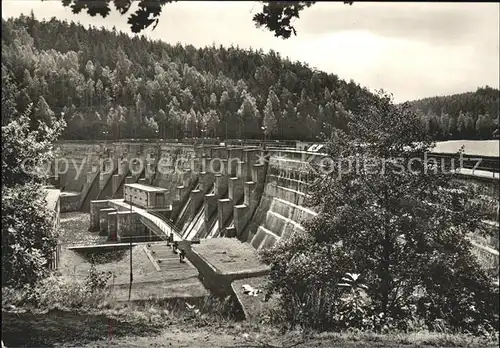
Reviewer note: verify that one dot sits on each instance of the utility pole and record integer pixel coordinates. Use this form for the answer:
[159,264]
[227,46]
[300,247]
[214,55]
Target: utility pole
[203,130]
[221,227]
[225,120]
[264,130]
[147,207]
[157,158]
[130,239]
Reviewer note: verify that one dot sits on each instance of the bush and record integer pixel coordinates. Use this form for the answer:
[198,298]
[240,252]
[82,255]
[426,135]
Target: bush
[400,224]
[58,292]
[97,280]
[54,292]
[316,293]
[28,235]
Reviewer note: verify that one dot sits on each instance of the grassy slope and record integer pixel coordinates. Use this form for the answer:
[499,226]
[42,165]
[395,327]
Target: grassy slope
[156,325]
[151,328]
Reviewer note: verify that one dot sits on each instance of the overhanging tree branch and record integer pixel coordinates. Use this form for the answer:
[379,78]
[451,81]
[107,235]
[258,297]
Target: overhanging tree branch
[276,16]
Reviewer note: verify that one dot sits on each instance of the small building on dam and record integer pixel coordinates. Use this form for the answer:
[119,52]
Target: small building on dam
[145,196]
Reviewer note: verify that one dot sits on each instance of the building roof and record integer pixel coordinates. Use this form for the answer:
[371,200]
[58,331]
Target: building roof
[147,188]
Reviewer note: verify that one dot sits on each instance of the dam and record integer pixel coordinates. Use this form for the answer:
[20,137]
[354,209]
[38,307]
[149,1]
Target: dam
[205,210]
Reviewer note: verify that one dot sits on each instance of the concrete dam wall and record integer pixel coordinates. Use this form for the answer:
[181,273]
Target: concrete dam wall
[257,196]
[252,194]
[236,200]
[281,209]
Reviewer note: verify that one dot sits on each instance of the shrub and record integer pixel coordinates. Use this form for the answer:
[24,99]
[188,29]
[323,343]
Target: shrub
[28,235]
[54,292]
[58,292]
[97,280]
[400,223]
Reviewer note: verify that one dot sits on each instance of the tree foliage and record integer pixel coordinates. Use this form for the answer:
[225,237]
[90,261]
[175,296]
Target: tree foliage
[471,115]
[398,223]
[28,235]
[269,123]
[143,79]
[276,16]
[27,139]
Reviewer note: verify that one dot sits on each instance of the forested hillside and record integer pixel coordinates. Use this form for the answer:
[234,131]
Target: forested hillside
[471,115]
[109,84]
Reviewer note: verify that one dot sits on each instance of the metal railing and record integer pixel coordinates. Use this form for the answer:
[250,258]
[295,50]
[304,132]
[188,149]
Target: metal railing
[166,220]
[173,238]
[479,163]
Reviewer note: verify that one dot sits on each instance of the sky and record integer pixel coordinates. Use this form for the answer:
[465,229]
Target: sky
[412,50]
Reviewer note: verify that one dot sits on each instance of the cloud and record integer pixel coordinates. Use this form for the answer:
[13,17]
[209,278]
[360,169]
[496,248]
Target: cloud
[431,22]
[413,50]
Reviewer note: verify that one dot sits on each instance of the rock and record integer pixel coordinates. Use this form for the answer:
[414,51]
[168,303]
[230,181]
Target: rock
[251,291]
